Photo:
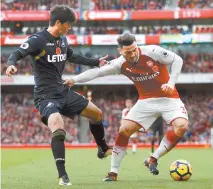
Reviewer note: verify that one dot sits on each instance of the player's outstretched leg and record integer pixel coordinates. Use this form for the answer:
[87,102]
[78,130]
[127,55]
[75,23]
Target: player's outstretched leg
[58,150]
[118,153]
[97,129]
[169,141]
[94,114]
[56,124]
[119,150]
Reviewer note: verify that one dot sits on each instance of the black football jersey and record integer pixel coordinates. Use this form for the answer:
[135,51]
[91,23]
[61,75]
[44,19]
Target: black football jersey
[48,56]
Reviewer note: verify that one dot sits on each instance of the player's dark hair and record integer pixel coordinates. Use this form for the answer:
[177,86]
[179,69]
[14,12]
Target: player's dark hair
[62,13]
[126,39]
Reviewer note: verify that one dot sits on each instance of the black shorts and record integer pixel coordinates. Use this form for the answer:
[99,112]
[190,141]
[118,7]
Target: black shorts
[69,104]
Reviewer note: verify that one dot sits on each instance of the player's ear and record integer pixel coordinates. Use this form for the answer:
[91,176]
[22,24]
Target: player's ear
[58,23]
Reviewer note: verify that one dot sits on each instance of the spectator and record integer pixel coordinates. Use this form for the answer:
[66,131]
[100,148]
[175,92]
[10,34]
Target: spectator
[21,124]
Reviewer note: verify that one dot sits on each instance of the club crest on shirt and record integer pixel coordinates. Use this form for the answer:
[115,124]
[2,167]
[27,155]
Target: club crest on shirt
[155,68]
[63,44]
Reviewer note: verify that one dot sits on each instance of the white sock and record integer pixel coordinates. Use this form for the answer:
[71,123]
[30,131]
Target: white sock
[118,154]
[162,149]
[134,147]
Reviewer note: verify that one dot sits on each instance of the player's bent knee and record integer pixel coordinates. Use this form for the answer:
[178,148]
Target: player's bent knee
[125,131]
[181,127]
[180,122]
[180,131]
[99,115]
[55,122]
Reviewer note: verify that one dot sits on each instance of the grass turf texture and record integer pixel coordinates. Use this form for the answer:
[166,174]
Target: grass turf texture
[35,169]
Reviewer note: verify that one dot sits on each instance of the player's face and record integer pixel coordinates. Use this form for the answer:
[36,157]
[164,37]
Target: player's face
[130,53]
[129,103]
[63,28]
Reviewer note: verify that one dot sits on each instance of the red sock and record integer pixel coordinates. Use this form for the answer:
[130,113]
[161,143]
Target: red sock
[134,141]
[121,140]
[172,137]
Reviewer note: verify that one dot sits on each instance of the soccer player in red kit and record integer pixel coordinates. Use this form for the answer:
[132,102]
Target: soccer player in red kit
[146,67]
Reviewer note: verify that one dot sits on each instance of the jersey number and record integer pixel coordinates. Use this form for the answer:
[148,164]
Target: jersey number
[183,110]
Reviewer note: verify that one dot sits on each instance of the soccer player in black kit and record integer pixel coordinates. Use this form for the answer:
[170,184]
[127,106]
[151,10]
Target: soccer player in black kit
[49,51]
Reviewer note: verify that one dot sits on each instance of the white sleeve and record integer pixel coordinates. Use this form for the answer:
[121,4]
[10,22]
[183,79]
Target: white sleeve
[113,67]
[167,57]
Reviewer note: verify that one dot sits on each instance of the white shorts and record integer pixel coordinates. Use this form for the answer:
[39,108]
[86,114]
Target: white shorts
[134,135]
[146,111]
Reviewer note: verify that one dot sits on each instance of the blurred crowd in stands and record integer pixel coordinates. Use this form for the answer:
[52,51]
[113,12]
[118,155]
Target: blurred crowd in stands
[195,4]
[103,4]
[197,62]
[35,4]
[21,123]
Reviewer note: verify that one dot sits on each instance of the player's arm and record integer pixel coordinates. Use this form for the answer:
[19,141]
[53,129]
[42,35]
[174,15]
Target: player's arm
[167,57]
[29,47]
[113,67]
[78,59]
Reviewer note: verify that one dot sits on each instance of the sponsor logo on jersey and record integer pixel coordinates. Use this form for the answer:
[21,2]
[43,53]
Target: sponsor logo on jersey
[63,44]
[56,58]
[145,73]
[50,44]
[145,77]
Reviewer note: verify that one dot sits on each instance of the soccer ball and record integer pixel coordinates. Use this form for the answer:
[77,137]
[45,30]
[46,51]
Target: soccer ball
[180,170]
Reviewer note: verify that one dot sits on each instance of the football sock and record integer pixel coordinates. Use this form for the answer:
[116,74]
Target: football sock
[134,145]
[58,149]
[153,145]
[168,142]
[118,152]
[97,129]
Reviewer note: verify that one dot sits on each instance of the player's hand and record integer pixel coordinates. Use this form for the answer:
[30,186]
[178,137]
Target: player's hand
[11,70]
[103,61]
[168,88]
[69,82]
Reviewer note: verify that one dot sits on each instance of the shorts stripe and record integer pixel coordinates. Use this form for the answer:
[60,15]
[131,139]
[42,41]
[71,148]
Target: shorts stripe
[177,118]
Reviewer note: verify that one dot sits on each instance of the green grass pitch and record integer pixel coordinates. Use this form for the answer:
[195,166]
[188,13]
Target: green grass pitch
[35,169]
